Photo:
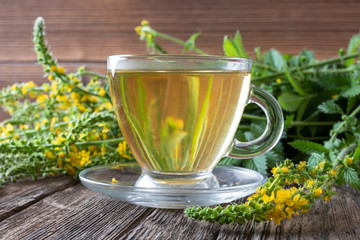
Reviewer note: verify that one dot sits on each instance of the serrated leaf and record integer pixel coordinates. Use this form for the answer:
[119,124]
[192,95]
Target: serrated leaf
[351,91]
[249,136]
[258,163]
[351,177]
[289,101]
[353,46]
[315,159]
[330,107]
[261,163]
[308,147]
[275,59]
[234,47]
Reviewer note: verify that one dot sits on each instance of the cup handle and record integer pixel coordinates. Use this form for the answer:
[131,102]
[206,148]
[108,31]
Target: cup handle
[273,130]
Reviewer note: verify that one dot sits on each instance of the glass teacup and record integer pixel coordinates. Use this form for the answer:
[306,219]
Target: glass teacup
[179,115]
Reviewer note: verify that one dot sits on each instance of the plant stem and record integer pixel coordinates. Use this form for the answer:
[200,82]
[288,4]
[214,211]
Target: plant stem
[314,65]
[108,141]
[90,74]
[336,131]
[172,39]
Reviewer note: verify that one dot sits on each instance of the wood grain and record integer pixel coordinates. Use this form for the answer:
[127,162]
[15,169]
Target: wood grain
[79,213]
[15,197]
[91,30]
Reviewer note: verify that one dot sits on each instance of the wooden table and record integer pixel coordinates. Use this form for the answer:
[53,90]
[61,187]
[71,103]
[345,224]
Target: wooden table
[61,208]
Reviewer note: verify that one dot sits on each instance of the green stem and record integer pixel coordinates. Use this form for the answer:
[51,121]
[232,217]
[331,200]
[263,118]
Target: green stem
[90,74]
[172,39]
[304,123]
[314,65]
[328,71]
[253,117]
[336,131]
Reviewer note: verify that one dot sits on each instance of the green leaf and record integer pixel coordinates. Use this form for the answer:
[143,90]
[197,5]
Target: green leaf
[274,58]
[234,47]
[357,153]
[354,89]
[190,43]
[330,107]
[290,102]
[351,177]
[315,159]
[308,147]
[352,48]
[260,163]
[288,120]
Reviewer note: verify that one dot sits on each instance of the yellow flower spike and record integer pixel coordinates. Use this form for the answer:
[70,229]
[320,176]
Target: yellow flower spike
[318,192]
[114,181]
[144,23]
[285,170]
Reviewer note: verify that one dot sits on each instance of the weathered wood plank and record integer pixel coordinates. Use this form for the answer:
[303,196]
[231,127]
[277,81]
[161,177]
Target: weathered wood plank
[337,219]
[91,30]
[15,197]
[172,224]
[74,213]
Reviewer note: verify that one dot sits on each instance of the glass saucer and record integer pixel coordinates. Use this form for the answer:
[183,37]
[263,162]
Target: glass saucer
[234,183]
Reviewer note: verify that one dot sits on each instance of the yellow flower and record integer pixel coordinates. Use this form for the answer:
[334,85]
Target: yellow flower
[23,126]
[285,169]
[62,155]
[41,98]
[51,77]
[267,199]
[114,181]
[66,118]
[277,215]
[310,183]
[138,30]
[73,148]
[274,170]
[144,23]
[318,192]
[283,197]
[327,198]
[60,163]
[14,87]
[53,68]
[37,126]
[333,172]
[349,161]
[49,154]
[278,80]
[60,70]
[102,92]
[70,170]
[54,87]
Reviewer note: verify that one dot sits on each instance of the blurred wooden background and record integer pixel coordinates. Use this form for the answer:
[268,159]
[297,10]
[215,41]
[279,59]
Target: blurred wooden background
[84,32]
